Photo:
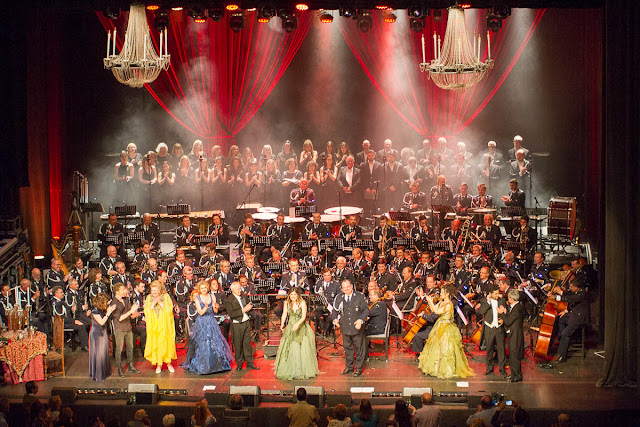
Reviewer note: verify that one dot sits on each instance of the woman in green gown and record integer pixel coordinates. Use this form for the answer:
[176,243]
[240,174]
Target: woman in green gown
[296,358]
[443,355]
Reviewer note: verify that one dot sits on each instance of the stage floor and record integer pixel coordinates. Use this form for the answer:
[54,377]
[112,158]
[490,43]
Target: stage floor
[571,387]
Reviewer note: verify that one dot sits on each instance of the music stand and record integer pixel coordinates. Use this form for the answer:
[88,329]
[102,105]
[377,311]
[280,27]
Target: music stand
[438,211]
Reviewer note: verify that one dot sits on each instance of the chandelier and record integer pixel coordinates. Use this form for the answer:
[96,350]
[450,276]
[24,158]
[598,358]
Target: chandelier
[137,63]
[457,64]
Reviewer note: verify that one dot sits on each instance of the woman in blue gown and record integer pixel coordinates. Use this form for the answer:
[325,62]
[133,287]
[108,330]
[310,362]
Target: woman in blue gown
[212,352]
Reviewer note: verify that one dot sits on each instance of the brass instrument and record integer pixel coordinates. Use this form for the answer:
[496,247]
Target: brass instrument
[464,231]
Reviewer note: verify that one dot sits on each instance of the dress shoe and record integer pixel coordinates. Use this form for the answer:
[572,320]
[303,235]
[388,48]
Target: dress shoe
[508,377]
[120,371]
[503,373]
[239,368]
[85,349]
[357,373]
[561,360]
[515,380]
[252,366]
[346,371]
[133,369]
[158,369]
[488,372]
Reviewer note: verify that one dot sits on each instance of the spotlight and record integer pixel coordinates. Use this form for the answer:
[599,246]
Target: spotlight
[417,24]
[153,6]
[302,6]
[502,11]
[112,12]
[177,8]
[347,12]
[364,21]
[161,22]
[437,15]
[232,5]
[417,12]
[390,18]
[198,15]
[465,5]
[216,15]
[266,12]
[326,18]
[236,22]
[381,7]
[494,23]
[200,20]
[285,13]
[289,23]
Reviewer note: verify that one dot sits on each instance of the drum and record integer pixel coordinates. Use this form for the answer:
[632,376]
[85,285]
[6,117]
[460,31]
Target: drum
[264,218]
[297,224]
[562,216]
[345,210]
[333,222]
[268,209]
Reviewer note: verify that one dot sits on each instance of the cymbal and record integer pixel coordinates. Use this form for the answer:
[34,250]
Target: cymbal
[484,210]
[555,274]
[112,155]
[427,212]
[541,154]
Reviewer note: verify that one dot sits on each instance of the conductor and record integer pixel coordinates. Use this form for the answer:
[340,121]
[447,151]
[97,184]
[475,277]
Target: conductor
[350,313]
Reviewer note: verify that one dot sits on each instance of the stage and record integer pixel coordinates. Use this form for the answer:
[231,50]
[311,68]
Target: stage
[544,393]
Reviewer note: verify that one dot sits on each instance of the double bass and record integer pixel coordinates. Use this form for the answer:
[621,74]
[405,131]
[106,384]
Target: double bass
[551,310]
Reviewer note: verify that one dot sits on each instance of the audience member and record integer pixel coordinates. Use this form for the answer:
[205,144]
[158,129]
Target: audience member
[169,420]
[479,422]
[66,418]
[55,403]
[5,406]
[340,417]
[429,415]
[510,416]
[39,415]
[140,419]
[564,420]
[235,414]
[302,414]
[402,415]
[365,415]
[31,388]
[202,417]
[485,411]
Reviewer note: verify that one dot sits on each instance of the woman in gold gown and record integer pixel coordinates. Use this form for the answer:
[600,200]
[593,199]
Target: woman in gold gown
[443,355]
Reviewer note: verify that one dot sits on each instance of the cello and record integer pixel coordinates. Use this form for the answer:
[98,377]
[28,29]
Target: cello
[416,321]
[551,310]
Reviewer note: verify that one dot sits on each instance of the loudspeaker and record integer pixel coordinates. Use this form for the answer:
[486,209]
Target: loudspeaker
[216,399]
[250,394]
[415,393]
[143,394]
[334,399]
[474,401]
[315,395]
[271,348]
[67,394]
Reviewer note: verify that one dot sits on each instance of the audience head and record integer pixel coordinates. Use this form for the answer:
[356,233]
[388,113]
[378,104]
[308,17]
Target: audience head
[201,412]
[301,394]
[365,410]
[340,412]
[486,402]
[235,402]
[427,399]
[31,387]
[169,420]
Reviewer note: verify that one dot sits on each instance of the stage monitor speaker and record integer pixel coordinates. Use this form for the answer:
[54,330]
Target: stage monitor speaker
[271,348]
[474,401]
[250,394]
[415,393]
[334,399]
[67,394]
[217,399]
[315,395]
[143,394]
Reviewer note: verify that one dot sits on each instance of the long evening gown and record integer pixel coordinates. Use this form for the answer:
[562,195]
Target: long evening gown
[99,360]
[161,332]
[296,358]
[443,355]
[212,352]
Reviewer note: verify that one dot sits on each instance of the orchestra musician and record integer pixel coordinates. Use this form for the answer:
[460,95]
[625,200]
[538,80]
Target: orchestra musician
[280,234]
[526,235]
[378,314]
[417,344]
[313,259]
[211,259]
[302,196]
[461,278]
[79,272]
[176,267]
[251,271]
[383,234]
[315,229]
[150,231]
[328,287]
[462,200]
[122,276]
[489,231]
[219,229]
[248,230]
[96,284]
[22,296]
[247,251]
[144,254]
[351,230]
[277,258]
[342,272]
[384,278]
[425,266]
[515,197]
[540,269]
[573,317]
[401,260]
[511,268]
[360,265]
[224,276]
[151,272]
[453,233]
[477,259]
[404,293]
[59,308]
[422,232]
[482,200]
[108,263]
[291,278]
[186,237]
[415,199]
[5,302]
[111,228]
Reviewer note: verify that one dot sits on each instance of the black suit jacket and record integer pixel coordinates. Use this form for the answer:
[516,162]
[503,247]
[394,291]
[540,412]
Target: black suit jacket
[355,182]
[152,235]
[517,198]
[578,306]
[331,291]
[233,308]
[367,179]
[349,312]
[485,309]
[377,321]
[512,322]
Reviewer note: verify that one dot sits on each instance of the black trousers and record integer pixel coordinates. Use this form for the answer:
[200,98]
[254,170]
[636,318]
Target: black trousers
[417,344]
[241,336]
[565,332]
[516,365]
[81,330]
[495,342]
[355,344]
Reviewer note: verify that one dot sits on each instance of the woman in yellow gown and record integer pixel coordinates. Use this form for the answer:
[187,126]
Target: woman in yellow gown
[443,355]
[161,332]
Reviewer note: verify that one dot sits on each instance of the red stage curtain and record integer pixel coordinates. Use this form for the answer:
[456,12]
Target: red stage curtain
[390,55]
[218,79]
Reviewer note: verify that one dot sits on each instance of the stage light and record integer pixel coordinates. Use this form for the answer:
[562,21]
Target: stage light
[417,24]
[381,7]
[494,23]
[112,12]
[198,15]
[177,8]
[417,12]
[302,7]
[437,15]
[231,6]
[390,18]
[38,257]
[199,20]
[267,12]
[285,13]
[326,18]
[364,21]
[153,6]
[465,5]
[290,23]
[216,15]
[347,12]
[502,11]
[236,22]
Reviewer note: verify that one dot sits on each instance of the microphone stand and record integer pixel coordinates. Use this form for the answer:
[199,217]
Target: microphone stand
[244,202]
[201,185]
[264,177]
[150,181]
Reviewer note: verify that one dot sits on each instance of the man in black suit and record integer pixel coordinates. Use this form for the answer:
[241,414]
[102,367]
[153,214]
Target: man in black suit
[516,197]
[316,229]
[493,330]
[361,157]
[111,228]
[463,200]
[383,155]
[349,181]
[150,231]
[517,145]
[520,166]
[370,177]
[512,319]
[489,231]
[185,237]
[224,276]
[351,312]
[393,176]
[571,319]
[238,306]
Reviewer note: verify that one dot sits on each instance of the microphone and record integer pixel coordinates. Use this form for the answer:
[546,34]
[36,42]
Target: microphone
[536,199]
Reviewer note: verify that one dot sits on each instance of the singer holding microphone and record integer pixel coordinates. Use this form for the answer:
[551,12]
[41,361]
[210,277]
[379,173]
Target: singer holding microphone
[302,196]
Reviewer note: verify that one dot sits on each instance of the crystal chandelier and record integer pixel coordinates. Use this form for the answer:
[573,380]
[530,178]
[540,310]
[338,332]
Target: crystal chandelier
[457,64]
[137,63]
